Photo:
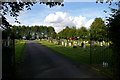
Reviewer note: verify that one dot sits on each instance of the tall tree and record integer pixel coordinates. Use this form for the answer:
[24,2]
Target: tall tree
[82,33]
[98,30]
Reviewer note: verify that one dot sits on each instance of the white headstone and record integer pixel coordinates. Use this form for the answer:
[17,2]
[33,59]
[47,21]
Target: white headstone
[75,45]
[84,46]
[69,44]
[62,43]
[84,42]
[101,44]
[65,44]
[98,42]
[103,64]
[78,44]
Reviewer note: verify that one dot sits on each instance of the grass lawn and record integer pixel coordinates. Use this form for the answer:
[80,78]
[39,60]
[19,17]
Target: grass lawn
[82,55]
[19,48]
[78,54]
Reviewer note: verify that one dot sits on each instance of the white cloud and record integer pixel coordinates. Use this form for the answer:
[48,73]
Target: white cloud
[60,20]
[79,21]
[88,24]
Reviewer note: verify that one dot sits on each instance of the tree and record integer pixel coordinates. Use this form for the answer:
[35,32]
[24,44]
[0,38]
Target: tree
[114,33]
[14,8]
[72,32]
[82,33]
[54,35]
[50,31]
[98,30]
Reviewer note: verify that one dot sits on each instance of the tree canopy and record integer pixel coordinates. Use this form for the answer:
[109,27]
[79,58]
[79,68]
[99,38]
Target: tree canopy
[33,32]
[98,30]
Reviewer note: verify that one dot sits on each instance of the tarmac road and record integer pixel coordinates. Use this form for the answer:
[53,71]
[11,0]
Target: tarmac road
[41,62]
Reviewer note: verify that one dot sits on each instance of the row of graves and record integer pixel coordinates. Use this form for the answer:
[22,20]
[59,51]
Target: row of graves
[70,43]
[78,43]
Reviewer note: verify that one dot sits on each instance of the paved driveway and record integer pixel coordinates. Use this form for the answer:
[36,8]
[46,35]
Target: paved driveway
[41,62]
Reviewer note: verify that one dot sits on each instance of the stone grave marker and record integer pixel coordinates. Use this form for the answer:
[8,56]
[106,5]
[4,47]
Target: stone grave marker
[84,42]
[78,44]
[104,42]
[65,44]
[101,44]
[69,44]
[98,42]
[62,43]
[87,42]
[84,46]
[105,64]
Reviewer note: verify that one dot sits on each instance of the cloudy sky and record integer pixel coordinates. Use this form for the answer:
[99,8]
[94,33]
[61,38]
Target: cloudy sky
[76,14]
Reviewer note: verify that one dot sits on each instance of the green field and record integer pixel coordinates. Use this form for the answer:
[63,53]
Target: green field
[82,55]
[19,48]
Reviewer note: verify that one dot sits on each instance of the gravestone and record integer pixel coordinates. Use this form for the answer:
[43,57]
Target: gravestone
[75,45]
[101,44]
[84,46]
[98,42]
[104,42]
[105,64]
[62,43]
[84,42]
[65,44]
[78,44]
[87,42]
[69,44]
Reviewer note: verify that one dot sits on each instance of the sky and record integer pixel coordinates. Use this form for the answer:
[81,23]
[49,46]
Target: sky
[76,14]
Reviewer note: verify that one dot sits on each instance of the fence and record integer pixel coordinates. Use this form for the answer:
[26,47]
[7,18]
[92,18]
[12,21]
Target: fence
[100,53]
[8,64]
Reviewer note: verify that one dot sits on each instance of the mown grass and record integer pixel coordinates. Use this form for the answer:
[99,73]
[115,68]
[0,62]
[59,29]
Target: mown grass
[78,54]
[19,48]
[82,55]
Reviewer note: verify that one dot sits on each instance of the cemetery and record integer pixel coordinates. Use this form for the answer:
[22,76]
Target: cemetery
[91,41]
[80,51]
